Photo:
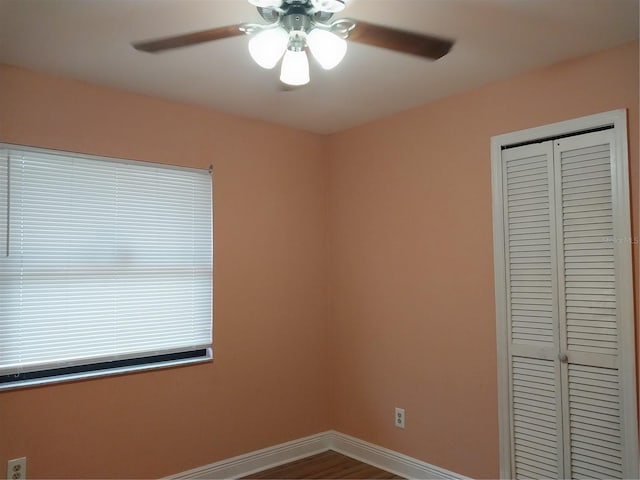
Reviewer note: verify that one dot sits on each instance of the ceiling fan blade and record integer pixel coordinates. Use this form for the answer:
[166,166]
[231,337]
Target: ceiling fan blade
[193,38]
[400,40]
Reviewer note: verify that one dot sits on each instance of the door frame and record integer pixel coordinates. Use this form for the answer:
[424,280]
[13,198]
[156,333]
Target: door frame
[617,119]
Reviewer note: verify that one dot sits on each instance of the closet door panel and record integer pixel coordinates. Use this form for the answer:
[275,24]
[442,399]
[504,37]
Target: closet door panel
[588,316]
[535,418]
[532,311]
[528,237]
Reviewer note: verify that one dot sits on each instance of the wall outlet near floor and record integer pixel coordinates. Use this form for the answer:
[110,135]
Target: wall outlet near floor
[17,469]
[399,421]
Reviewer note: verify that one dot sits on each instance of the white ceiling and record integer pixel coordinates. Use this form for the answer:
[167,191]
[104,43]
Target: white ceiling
[90,40]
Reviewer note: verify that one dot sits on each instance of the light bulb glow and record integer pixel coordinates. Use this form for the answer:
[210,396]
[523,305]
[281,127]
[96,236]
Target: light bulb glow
[331,6]
[266,3]
[327,48]
[295,68]
[268,46]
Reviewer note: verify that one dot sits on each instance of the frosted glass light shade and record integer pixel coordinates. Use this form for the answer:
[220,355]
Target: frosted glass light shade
[332,6]
[327,48]
[295,68]
[268,46]
[266,3]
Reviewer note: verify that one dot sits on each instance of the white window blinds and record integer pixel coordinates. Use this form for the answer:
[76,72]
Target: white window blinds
[103,262]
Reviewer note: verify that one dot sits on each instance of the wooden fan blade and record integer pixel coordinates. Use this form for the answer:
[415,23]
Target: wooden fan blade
[193,38]
[400,40]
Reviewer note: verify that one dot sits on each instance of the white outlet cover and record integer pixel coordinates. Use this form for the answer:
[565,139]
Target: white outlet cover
[399,418]
[17,469]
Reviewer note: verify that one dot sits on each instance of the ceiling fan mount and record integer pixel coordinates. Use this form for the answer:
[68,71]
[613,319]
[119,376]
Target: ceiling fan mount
[303,7]
[293,26]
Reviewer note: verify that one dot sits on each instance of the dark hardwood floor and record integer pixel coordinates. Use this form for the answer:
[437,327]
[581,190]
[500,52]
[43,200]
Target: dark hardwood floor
[325,465]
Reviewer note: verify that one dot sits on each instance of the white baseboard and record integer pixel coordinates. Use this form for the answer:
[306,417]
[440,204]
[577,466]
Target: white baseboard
[380,457]
[252,462]
[389,460]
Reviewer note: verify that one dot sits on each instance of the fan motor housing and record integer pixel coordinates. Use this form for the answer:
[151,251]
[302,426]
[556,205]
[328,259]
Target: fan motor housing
[295,15]
[296,19]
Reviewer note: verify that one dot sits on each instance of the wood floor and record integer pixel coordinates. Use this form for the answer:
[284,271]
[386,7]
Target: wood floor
[327,465]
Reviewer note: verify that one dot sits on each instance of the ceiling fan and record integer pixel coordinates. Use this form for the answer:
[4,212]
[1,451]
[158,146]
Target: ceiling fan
[295,25]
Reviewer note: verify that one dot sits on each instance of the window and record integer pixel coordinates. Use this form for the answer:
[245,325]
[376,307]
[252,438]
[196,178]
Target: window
[105,266]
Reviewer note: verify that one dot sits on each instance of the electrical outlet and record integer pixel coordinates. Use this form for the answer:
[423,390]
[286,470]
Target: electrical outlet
[17,469]
[399,422]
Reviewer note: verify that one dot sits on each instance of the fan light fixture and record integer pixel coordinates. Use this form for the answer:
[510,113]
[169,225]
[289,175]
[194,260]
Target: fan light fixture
[293,26]
[298,24]
[266,3]
[268,46]
[327,48]
[331,6]
[295,68]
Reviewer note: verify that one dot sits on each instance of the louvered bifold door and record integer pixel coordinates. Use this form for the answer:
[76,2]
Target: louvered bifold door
[589,312]
[532,311]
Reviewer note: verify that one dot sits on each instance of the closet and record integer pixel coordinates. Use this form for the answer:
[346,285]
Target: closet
[562,241]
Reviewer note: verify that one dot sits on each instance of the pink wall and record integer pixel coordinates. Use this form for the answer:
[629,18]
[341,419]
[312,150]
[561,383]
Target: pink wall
[394,218]
[412,316]
[268,381]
